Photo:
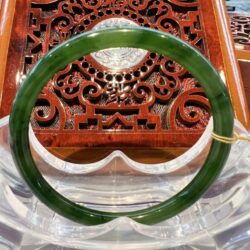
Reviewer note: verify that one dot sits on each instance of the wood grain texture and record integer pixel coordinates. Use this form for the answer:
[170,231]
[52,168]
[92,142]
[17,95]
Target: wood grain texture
[7,10]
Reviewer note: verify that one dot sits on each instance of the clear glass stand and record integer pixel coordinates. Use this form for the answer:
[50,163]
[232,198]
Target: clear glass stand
[220,220]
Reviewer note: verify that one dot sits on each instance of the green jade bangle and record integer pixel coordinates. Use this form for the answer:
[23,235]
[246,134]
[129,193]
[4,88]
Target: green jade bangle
[87,43]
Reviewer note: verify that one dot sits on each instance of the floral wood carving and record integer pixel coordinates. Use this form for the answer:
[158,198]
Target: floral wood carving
[156,94]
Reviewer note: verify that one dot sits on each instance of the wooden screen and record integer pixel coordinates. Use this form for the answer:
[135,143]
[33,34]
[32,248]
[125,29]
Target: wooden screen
[141,99]
[240,25]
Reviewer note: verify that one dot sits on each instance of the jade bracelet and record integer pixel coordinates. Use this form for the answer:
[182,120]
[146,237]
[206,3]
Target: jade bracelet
[89,42]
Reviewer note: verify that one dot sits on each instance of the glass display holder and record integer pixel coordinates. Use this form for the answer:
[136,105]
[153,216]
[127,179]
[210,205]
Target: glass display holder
[219,220]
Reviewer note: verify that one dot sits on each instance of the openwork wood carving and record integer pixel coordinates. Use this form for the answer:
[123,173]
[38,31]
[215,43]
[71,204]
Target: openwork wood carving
[111,93]
[240,25]
[156,94]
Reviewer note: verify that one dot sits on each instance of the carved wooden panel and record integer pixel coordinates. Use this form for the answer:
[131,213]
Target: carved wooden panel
[151,95]
[240,25]
[148,100]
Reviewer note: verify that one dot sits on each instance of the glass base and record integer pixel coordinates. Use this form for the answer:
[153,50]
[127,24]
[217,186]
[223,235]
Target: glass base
[219,220]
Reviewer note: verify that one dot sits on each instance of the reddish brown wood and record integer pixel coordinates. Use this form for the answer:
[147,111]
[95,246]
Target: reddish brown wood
[153,104]
[157,98]
[6,21]
[245,70]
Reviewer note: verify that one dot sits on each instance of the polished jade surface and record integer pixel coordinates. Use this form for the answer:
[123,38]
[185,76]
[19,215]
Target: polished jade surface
[87,43]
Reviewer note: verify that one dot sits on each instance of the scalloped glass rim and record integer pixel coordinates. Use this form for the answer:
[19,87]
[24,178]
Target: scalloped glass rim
[153,169]
[160,168]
